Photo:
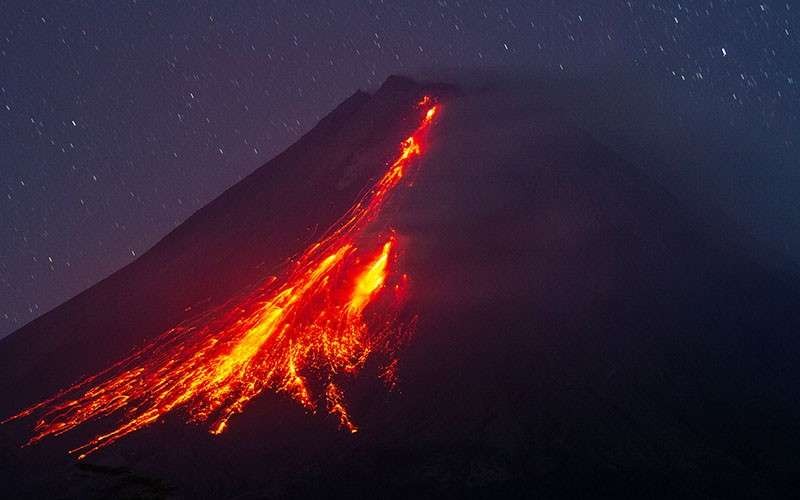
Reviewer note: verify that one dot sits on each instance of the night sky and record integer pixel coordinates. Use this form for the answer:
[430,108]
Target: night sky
[120,119]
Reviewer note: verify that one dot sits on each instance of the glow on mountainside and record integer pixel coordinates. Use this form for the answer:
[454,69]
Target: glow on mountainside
[298,334]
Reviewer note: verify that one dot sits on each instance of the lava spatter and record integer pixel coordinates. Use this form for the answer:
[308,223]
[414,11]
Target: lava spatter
[307,326]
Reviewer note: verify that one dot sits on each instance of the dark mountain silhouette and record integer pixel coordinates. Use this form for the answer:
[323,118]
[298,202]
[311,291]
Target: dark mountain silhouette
[578,333]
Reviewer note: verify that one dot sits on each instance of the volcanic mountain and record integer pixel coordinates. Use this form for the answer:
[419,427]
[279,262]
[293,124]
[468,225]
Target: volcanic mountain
[434,291]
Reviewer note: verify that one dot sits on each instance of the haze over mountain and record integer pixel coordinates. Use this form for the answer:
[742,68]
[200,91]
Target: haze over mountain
[580,329]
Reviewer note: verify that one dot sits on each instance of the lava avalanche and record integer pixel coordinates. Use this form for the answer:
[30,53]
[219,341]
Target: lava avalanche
[300,334]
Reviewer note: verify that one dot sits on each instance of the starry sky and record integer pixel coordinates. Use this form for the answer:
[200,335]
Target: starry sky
[120,119]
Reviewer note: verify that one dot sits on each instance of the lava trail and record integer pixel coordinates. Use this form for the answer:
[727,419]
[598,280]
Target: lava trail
[300,334]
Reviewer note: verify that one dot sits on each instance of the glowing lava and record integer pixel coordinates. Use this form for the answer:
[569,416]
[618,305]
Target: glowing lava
[299,335]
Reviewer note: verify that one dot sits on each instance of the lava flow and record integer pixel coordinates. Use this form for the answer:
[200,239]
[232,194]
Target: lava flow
[301,335]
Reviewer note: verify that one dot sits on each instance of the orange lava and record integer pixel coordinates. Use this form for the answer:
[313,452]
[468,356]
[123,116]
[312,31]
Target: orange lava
[300,335]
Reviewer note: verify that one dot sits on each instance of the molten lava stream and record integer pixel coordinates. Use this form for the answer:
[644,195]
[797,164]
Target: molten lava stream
[307,327]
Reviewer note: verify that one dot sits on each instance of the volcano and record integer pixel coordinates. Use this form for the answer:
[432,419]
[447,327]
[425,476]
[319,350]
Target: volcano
[437,290]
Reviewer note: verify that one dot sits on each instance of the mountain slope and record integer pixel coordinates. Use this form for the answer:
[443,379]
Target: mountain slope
[578,333]
[242,236]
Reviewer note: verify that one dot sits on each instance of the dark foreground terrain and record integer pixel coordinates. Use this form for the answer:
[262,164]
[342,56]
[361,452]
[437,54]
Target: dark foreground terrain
[579,332]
